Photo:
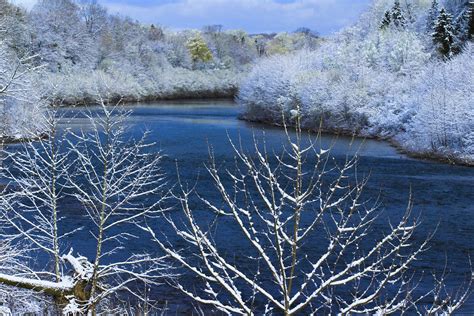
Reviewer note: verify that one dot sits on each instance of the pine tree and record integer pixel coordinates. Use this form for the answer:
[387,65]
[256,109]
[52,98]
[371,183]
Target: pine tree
[432,16]
[387,20]
[199,50]
[397,15]
[443,35]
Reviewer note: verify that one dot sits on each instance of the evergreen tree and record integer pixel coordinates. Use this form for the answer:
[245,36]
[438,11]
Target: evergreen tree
[199,50]
[443,35]
[387,19]
[397,15]
[432,16]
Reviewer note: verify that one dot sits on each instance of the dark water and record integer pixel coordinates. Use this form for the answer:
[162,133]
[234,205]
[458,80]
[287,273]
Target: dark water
[443,194]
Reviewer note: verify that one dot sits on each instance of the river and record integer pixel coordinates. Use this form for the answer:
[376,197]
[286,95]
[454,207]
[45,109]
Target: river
[443,194]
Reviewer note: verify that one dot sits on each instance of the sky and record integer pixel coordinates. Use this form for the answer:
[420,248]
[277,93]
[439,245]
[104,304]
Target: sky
[254,16]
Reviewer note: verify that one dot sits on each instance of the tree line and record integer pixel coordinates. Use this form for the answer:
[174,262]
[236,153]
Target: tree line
[450,31]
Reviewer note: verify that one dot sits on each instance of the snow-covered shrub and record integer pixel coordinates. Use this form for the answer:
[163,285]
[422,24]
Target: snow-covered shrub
[374,81]
[21,110]
[444,122]
[273,86]
[159,83]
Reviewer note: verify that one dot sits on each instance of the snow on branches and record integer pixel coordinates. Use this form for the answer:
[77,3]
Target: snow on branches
[108,175]
[280,206]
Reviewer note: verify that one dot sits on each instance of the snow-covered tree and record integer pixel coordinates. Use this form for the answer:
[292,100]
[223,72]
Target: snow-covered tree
[432,16]
[21,107]
[398,19]
[155,33]
[387,20]
[282,43]
[279,205]
[94,15]
[443,124]
[471,20]
[60,37]
[343,85]
[443,35]
[198,50]
[108,176]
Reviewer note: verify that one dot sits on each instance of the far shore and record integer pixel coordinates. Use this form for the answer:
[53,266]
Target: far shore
[427,155]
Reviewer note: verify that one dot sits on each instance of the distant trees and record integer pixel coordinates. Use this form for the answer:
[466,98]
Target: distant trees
[21,107]
[449,35]
[445,111]
[386,21]
[432,17]
[283,43]
[451,26]
[155,33]
[398,19]
[340,86]
[70,37]
[59,36]
[471,21]
[94,15]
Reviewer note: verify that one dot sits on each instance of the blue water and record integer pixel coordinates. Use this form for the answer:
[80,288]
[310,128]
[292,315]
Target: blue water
[183,131]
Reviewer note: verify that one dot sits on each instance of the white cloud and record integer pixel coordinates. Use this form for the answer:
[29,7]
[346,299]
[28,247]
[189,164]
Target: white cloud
[254,16]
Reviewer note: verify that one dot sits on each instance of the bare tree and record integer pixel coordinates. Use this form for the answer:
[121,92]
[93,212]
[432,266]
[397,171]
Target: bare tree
[308,241]
[94,15]
[29,213]
[37,174]
[122,184]
[118,182]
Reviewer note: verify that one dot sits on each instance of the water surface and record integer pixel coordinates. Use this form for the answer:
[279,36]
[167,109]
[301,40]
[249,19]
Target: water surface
[184,131]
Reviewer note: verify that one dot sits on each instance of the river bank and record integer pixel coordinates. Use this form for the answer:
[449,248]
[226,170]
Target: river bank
[433,156]
[80,88]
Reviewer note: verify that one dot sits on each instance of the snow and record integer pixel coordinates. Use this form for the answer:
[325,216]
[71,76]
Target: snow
[65,285]
[82,267]
[72,308]
[387,83]
[391,82]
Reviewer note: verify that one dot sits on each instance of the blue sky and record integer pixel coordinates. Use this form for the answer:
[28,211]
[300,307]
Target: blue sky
[254,16]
